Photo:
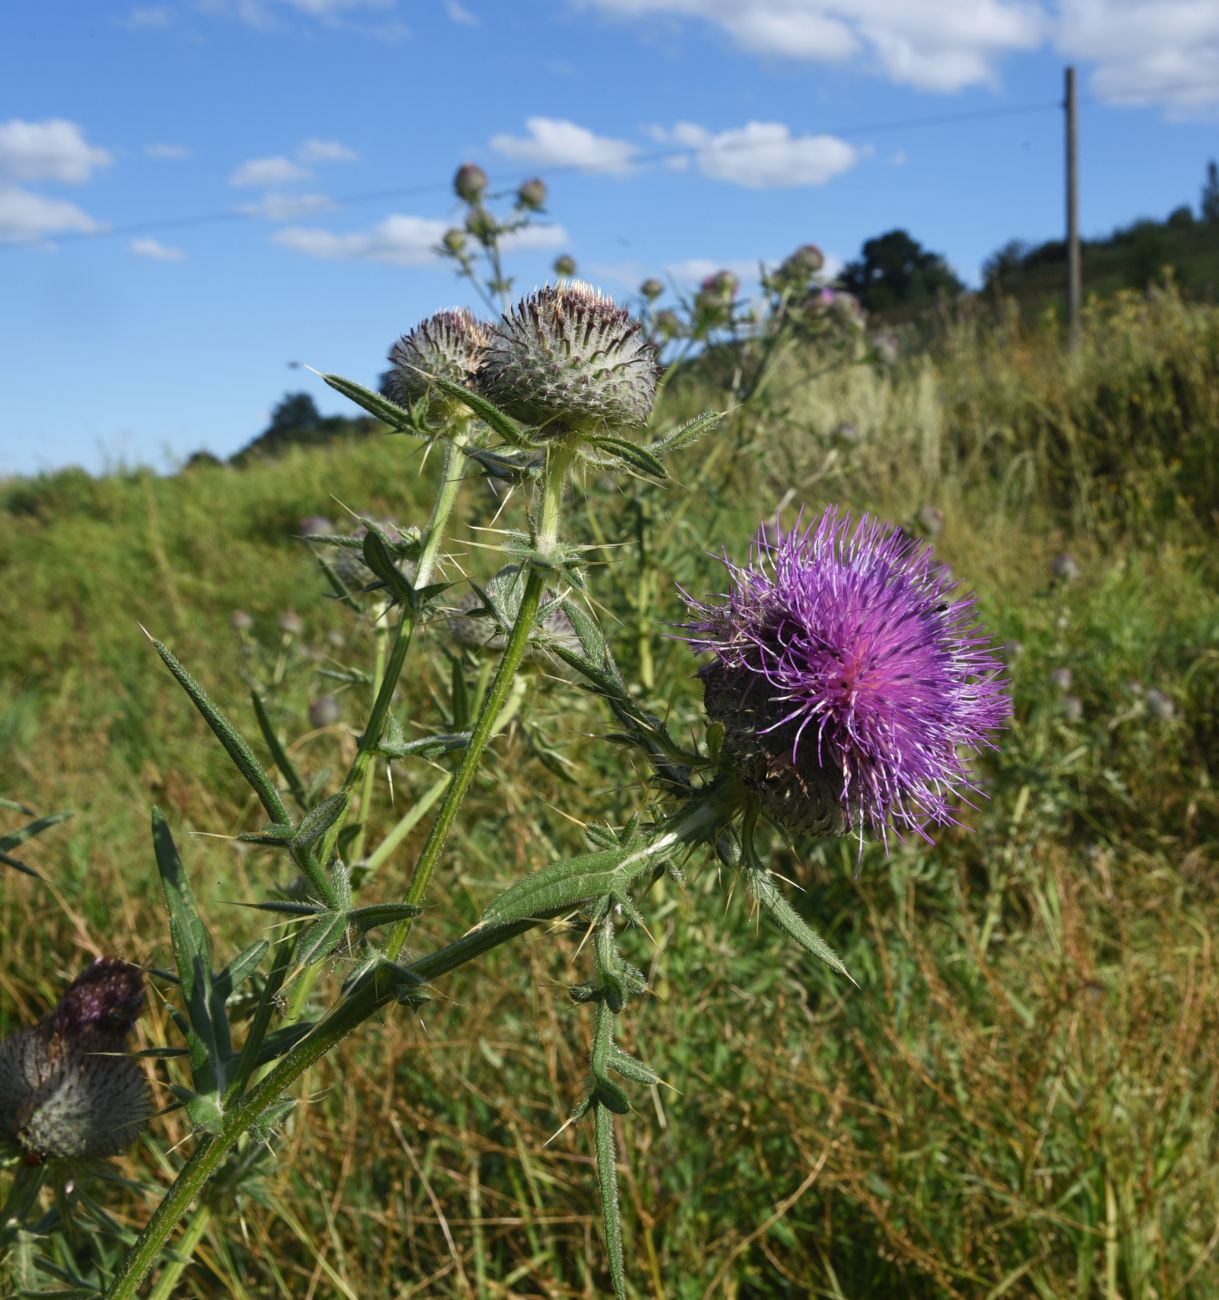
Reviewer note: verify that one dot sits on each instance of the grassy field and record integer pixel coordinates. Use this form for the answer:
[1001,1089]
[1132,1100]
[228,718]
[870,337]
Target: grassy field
[1021,1097]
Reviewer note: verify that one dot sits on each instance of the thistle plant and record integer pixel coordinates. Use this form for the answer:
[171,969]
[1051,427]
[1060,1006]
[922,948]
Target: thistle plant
[846,691]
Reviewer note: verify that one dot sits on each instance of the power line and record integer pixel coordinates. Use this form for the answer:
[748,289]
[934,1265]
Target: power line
[437,187]
[152,225]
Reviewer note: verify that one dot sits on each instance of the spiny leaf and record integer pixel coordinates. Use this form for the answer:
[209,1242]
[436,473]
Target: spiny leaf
[193,956]
[630,453]
[686,433]
[564,885]
[397,417]
[506,427]
[321,938]
[607,1187]
[239,969]
[279,755]
[234,745]
[775,905]
[630,1068]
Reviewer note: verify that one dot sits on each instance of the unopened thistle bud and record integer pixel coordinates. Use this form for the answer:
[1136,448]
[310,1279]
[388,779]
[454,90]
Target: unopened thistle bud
[454,241]
[800,267]
[565,266]
[470,182]
[531,197]
[651,289]
[668,324]
[448,345]
[567,358]
[67,1092]
[482,225]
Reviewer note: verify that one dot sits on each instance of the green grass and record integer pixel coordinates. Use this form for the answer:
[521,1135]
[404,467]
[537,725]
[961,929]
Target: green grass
[1019,1100]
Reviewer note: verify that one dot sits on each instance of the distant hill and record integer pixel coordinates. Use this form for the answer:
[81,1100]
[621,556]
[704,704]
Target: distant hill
[1130,258]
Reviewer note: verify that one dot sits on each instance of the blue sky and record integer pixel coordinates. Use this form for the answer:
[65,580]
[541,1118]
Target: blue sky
[185,187]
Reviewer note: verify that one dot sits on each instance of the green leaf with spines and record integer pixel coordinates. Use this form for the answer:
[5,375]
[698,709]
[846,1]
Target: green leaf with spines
[629,453]
[686,433]
[397,417]
[490,414]
[208,1036]
[237,971]
[427,747]
[607,1188]
[771,900]
[630,1068]
[234,744]
[279,755]
[565,885]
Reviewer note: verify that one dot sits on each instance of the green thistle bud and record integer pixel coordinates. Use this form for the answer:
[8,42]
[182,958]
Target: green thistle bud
[470,182]
[454,241]
[531,197]
[565,266]
[651,289]
[568,358]
[449,344]
[482,225]
[668,324]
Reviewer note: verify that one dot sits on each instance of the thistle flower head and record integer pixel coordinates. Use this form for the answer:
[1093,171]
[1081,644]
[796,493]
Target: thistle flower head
[449,345]
[651,289]
[66,1091]
[532,195]
[849,678]
[565,266]
[567,358]
[470,182]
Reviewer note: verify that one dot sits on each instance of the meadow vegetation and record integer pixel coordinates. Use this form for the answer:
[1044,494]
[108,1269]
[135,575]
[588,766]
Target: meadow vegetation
[1021,1097]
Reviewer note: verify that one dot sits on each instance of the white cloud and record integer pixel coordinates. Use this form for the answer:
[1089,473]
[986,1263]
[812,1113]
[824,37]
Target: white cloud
[54,150]
[156,250]
[401,241]
[1146,51]
[286,207]
[398,240]
[28,217]
[173,152]
[933,44]
[315,151]
[694,270]
[552,142]
[763,155]
[460,14]
[141,19]
[268,171]
[535,238]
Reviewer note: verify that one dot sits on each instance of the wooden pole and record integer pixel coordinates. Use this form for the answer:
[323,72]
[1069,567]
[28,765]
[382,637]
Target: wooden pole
[1075,291]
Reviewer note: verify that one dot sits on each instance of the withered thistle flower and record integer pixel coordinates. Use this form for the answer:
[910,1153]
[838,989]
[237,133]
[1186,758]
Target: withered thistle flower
[567,358]
[67,1092]
[849,677]
[449,344]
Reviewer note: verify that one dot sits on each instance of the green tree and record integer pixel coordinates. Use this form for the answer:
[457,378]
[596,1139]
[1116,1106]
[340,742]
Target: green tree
[1210,193]
[894,270]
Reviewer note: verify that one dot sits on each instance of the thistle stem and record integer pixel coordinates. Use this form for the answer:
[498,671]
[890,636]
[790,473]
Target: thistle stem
[546,534]
[212,1148]
[442,508]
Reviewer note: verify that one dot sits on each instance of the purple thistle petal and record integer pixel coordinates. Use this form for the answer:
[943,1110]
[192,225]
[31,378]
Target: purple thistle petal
[851,680]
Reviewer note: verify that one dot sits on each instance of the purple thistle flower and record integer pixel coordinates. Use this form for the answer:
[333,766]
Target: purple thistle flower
[849,678]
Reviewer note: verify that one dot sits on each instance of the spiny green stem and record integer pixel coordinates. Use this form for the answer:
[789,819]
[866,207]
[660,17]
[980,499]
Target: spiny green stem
[212,1148]
[442,508]
[192,1234]
[558,462]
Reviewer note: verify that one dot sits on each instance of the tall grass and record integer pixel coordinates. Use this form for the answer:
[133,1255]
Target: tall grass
[1021,1097]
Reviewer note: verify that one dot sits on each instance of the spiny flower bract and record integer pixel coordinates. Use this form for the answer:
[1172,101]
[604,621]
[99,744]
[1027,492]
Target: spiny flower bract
[849,677]
[567,358]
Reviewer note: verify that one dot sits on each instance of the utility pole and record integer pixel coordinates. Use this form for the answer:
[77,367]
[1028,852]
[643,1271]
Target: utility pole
[1075,290]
